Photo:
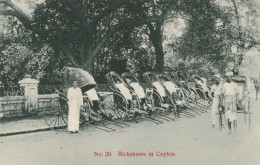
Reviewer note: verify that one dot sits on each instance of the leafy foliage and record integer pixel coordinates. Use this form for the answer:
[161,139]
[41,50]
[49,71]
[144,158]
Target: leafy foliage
[18,60]
[88,34]
[13,59]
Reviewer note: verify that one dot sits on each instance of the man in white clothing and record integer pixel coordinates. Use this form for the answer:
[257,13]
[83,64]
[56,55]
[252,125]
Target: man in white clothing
[216,90]
[230,92]
[75,104]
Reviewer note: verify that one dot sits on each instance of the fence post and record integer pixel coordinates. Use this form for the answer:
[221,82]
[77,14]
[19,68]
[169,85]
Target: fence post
[30,91]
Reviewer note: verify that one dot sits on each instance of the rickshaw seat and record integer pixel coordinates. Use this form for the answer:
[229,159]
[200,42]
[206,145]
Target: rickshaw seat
[92,94]
[159,88]
[170,86]
[124,91]
[138,89]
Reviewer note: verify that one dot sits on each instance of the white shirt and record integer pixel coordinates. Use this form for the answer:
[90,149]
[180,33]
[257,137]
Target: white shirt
[75,94]
[217,89]
[230,89]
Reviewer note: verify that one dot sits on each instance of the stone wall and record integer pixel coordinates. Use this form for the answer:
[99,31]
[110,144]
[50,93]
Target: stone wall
[12,106]
[43,100]
[15,105]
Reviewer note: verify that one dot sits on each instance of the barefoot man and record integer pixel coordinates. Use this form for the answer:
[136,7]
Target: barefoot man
[230,92]
[75,104]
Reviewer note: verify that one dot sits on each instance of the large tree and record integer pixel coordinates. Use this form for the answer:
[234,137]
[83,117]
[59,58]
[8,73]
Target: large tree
[152,15]
[72,27]
[79,29]
[89,33]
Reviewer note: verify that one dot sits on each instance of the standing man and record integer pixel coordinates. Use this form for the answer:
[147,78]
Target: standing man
[75,104]
[216,90]
[230,92]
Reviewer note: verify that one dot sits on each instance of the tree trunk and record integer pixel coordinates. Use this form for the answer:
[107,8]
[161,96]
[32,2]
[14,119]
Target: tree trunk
[156,37]
[159,56]
[237,18]
[89,61]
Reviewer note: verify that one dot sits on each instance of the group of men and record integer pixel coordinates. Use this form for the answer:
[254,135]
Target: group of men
[224,94]
[225,98]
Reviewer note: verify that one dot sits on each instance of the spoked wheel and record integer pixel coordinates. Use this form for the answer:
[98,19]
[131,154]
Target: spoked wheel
[221,117]
[202,98]
[159,106]
[243,110]
[220,121]
[184,92]
[193,97]
[207,103]
[56,113]
[85,113]
[115,106]
[157,100]
[196,99]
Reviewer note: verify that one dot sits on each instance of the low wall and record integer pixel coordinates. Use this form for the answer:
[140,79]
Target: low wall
[15,105]
[43,100]
[12,106]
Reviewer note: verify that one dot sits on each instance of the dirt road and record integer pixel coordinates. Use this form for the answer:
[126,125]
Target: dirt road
[188,141]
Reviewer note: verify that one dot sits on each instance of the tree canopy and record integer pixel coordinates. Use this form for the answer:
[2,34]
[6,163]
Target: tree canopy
[88,33]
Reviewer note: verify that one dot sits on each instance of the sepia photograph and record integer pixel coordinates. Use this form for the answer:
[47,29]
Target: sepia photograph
[129,82]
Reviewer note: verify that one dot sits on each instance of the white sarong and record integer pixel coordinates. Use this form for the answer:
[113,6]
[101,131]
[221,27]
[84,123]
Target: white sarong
[230,107]
[75,101]
[73,118]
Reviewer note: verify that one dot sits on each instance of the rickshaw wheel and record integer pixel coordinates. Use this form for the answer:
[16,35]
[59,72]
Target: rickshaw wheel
[185,92]
[130,116]
[85,113]
[157,100]
[202,98]
[56,113]
[195,98]
[115,106]
[191,98]
[193,95]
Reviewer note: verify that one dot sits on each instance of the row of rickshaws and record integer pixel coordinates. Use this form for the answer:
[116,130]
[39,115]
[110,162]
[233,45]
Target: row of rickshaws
[125,101]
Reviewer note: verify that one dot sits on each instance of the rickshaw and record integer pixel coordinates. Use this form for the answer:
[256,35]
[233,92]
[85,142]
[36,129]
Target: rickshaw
[243,103]
[98,106]
[119,86]
[134,85]
[201,84]
[190,98]
[164,94]
[189,92]
[192,91]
